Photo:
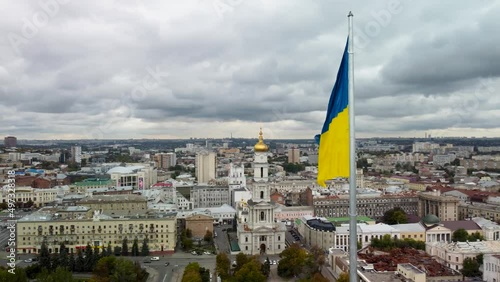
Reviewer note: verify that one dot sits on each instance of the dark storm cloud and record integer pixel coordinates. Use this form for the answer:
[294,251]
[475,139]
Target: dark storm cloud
[179,69]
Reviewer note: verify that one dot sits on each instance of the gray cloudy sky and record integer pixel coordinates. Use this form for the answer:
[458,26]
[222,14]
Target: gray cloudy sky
[209,68]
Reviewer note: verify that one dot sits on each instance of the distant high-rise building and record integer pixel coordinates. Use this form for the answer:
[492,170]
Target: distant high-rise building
[205,166]
[165,160]
[293,155]
[76,154]
[10,141]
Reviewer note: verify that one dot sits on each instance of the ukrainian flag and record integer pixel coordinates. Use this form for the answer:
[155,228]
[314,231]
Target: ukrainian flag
[333,156]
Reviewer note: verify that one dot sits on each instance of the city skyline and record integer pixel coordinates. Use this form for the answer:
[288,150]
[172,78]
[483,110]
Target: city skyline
[135,69]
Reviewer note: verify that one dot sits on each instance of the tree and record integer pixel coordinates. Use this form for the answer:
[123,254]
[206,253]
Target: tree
[111,269]
[104,268]
[318,256]
[79,262]
[135,247]
[44,256]
[470,268]
[476,236]
[187,243]
[125,247]
[208,236]
[109,250]
[266,268]
[189,233]
[63,257]
[192,273]
[250,272]
[222,266]
[71,262]
[460,235]
[88,259]
[293,260]
[395,216]
[124,271]
[343,277]
[204,274]
[241,259]
[59,274]
[18,276]
[145,247]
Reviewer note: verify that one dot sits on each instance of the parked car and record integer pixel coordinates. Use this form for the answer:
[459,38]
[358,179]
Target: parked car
[193,252]
[155,258]
[28,260]
[206,253]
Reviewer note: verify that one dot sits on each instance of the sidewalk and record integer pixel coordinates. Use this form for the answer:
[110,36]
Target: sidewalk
[153,276]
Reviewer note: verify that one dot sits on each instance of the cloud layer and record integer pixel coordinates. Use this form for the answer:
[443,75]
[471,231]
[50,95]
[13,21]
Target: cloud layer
[163,69]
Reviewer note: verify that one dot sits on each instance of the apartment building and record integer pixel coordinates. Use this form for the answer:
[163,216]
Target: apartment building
[98,230]
[444,207]
[209,196]
[371,206]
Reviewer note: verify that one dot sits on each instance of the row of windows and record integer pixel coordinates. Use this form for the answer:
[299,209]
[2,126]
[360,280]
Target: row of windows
[83,237]
[94,226]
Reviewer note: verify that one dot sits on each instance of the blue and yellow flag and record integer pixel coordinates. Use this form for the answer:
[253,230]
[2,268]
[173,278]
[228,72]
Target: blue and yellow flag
[333,157]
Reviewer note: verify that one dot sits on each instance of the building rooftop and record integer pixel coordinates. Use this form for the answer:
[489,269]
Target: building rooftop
[409,227]
[125,169]
[112,198]
[340,220]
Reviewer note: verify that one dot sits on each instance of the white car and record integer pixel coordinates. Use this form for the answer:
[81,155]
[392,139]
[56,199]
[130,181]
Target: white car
[28,261]
[206,253]
[273,262]
[155,258]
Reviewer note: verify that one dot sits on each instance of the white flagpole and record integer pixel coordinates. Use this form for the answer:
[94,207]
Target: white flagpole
[353,237]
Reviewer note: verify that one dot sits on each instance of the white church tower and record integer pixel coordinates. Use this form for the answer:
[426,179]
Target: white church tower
[260,234]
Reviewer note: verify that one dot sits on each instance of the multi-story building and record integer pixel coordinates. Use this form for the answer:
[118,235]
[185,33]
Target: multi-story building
[10,141]
[39,197]
[371,206]
[424,147]
[140,176]
[209,196]
[206,163]
[90,183]
[199,224]
[76,154]
[116,205]
[453,254]
[491,267]
[98,231]
[444,207]
[260,234]
[293,155]
[165,160]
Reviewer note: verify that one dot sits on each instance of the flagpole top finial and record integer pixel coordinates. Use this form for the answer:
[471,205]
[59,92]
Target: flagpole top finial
[350,14]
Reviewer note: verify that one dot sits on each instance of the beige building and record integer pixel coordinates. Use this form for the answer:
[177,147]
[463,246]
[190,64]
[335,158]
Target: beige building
[444,207]
[415,231]
[98,230]
[199,224]
[165,160]
[453,254]
[39,197]
[293,155]
[116,205]
[411,272]
[206,163]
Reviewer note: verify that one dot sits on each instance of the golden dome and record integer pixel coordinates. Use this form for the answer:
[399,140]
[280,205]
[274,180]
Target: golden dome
[260,146]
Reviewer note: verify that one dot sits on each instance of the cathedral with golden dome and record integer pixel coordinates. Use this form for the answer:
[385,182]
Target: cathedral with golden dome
[258,231]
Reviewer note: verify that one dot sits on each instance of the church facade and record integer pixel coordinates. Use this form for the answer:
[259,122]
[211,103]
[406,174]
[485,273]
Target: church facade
[258,231]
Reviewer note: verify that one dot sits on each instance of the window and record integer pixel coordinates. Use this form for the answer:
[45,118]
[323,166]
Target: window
[246,248]
[246,239]
[279,238]
[262,216]
[261,172]
[262,194]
